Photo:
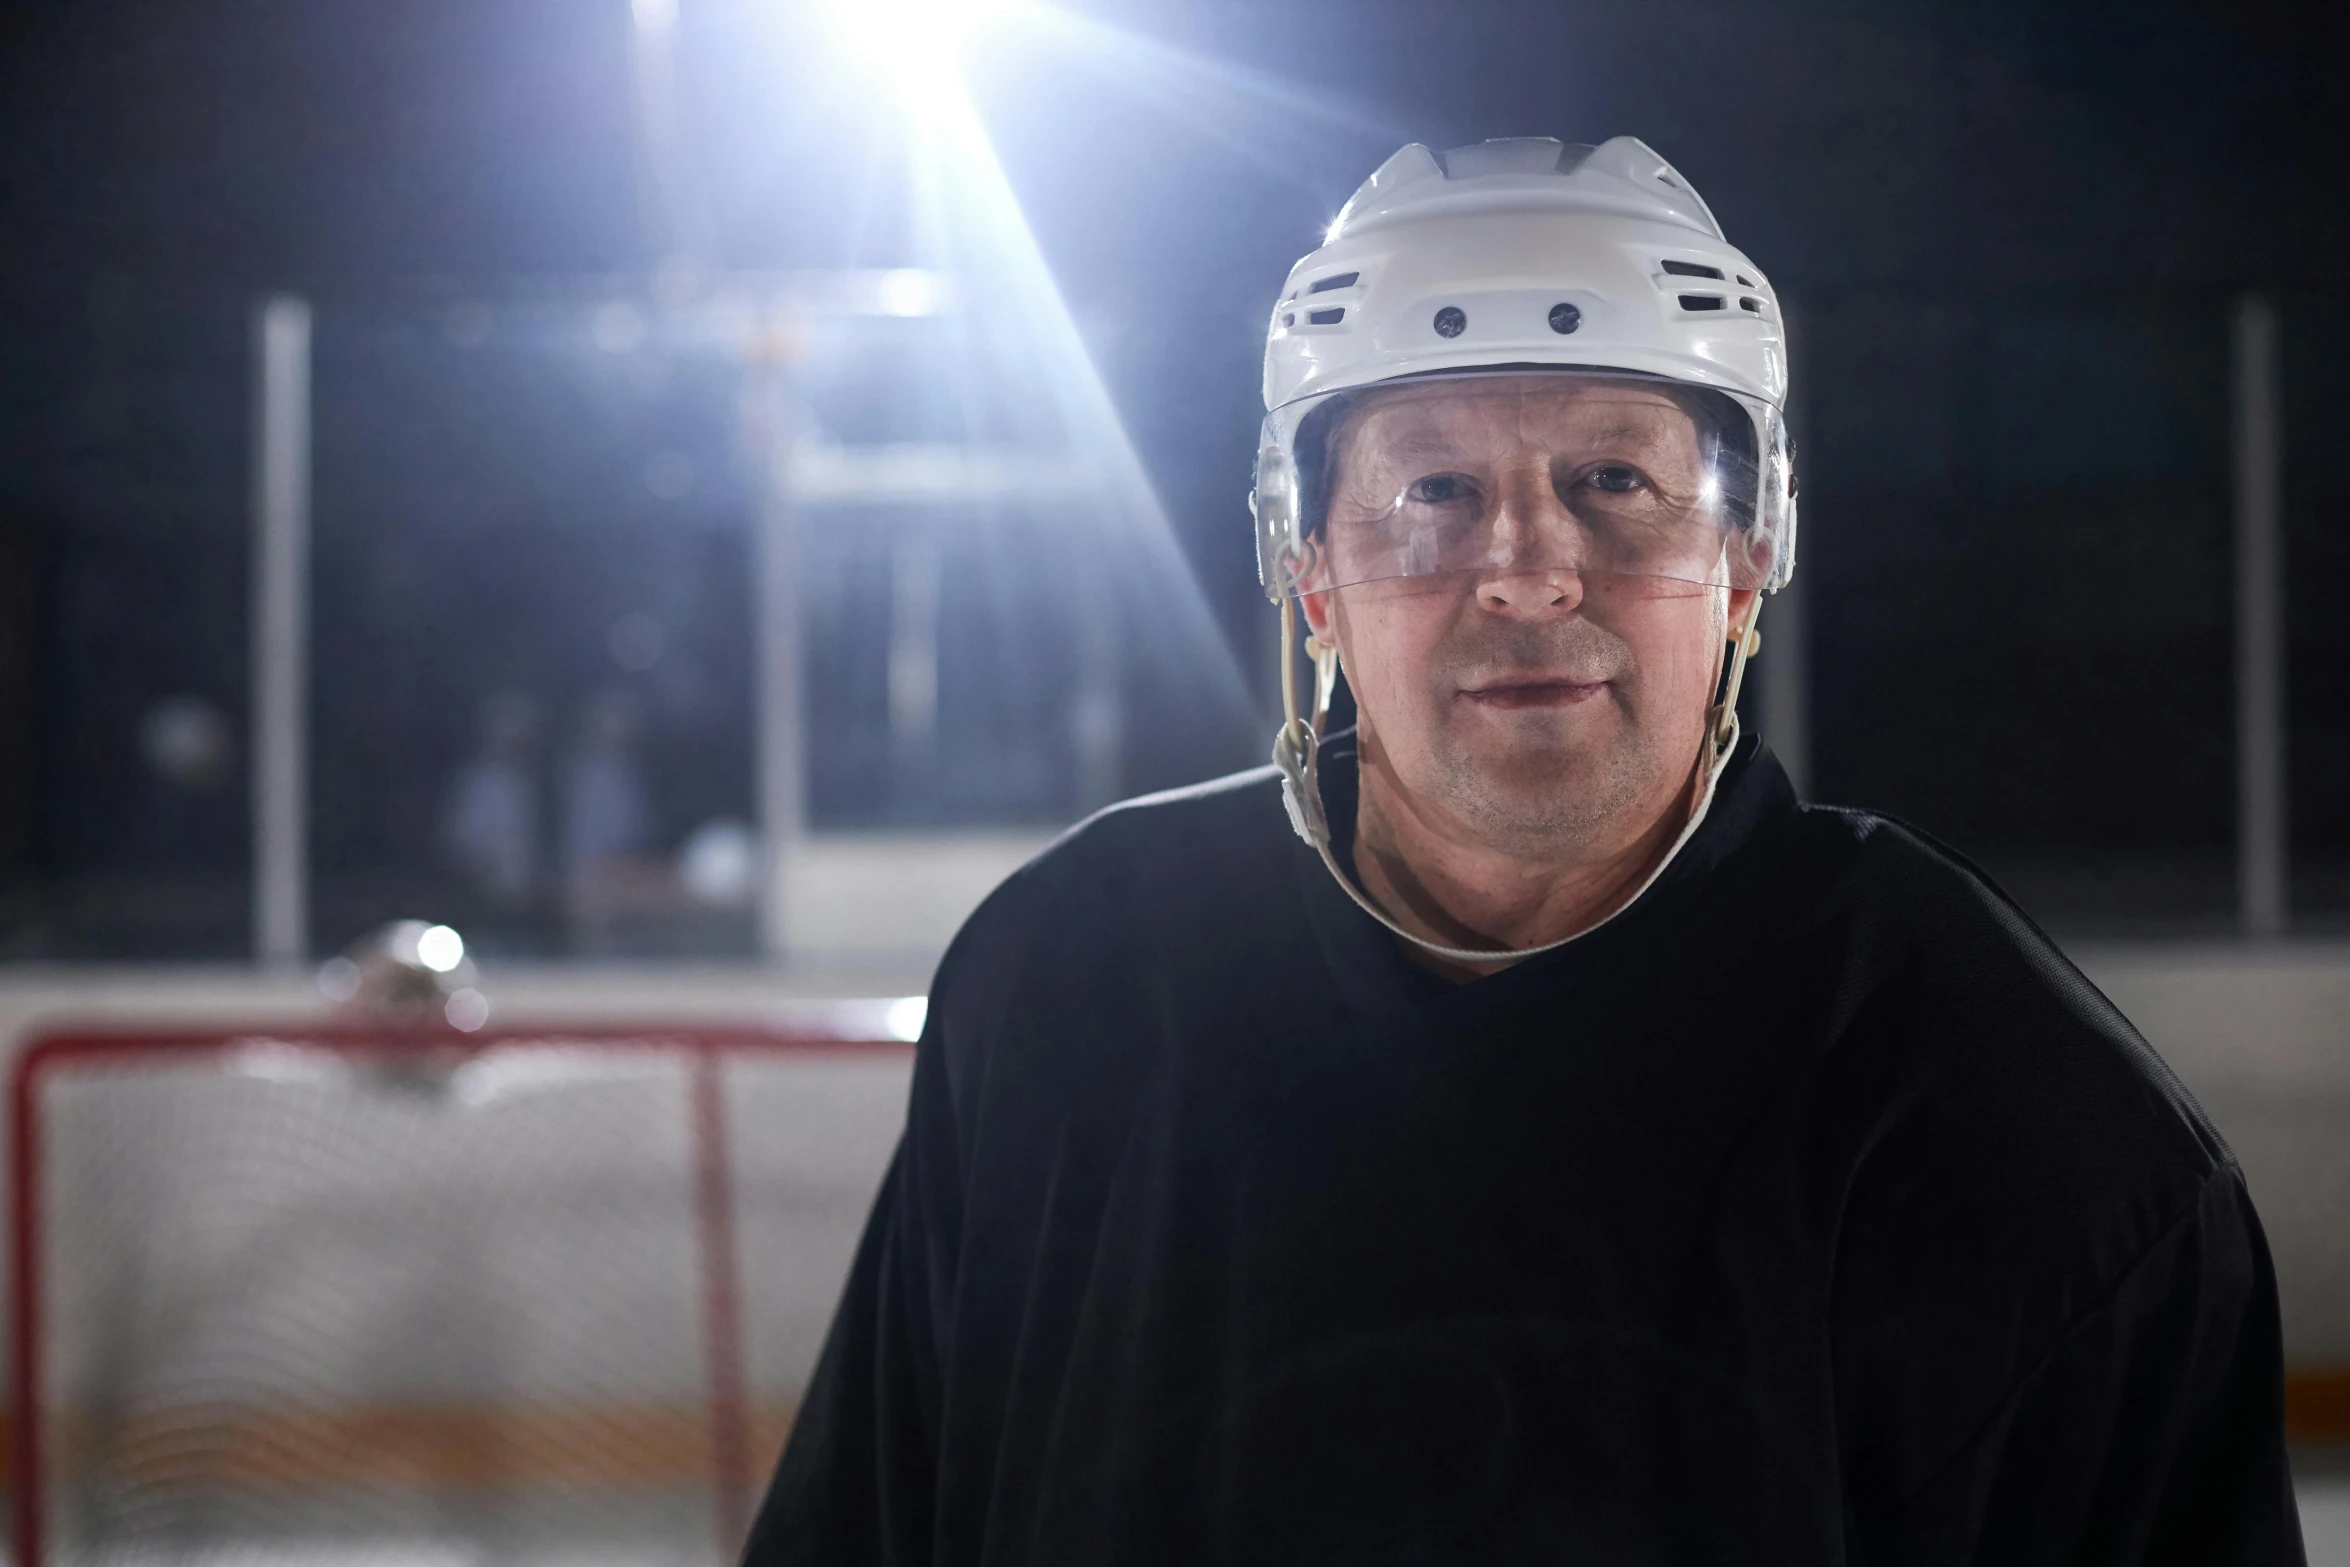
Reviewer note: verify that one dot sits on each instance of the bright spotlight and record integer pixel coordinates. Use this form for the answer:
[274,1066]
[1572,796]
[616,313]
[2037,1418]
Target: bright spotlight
[916,41]
[440,949]
[909,291]
[905,1017]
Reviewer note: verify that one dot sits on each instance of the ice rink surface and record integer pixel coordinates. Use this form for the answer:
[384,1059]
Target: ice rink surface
[571,1531]
[2322,1482]
[672,1532]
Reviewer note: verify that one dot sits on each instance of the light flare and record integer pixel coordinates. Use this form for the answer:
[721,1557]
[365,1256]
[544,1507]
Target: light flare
[918,43]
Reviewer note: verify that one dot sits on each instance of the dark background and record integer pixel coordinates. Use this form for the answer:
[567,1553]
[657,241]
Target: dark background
[2009,236]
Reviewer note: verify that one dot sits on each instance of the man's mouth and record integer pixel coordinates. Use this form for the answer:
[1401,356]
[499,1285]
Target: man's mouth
[1512,694]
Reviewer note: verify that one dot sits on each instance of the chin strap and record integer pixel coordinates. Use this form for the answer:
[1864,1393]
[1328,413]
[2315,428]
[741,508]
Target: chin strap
[1297,755]
[1722,718]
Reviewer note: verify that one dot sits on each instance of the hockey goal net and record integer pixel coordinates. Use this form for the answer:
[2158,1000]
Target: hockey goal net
[512,1297]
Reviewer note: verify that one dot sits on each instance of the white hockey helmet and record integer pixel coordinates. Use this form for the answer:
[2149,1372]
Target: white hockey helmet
[1519,255]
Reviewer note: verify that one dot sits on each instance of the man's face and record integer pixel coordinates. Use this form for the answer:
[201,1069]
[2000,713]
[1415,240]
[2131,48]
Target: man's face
[1534,613]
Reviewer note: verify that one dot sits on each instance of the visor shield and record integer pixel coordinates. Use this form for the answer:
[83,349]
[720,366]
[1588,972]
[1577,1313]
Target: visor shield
[1639,483]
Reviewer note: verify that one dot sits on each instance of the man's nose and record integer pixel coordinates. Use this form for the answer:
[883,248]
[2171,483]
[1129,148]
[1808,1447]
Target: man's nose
[1533,567]
[1538,593]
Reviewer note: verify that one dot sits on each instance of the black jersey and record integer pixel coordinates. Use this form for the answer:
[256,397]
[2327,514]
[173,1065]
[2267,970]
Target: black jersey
[1814,1210]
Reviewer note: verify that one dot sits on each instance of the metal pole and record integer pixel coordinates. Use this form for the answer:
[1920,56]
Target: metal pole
[781,756]
[280,621]
[672,209]
[1097,713]
[913,648]
[27,1282]
[2260,621]
[722,1302]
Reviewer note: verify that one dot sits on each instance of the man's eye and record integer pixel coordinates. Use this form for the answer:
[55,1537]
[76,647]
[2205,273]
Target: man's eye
[1615,478]
[1439,489]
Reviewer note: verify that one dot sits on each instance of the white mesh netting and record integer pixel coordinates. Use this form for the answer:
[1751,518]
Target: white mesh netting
[305,1304]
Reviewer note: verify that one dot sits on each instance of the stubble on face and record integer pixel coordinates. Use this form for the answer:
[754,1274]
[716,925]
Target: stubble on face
[1544,781]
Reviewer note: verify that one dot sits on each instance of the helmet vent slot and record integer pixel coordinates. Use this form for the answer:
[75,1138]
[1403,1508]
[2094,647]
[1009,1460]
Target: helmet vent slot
[1702,302]
[1691,269]
[1334,280]
[1326,317]
[1744,281]
[1751,303]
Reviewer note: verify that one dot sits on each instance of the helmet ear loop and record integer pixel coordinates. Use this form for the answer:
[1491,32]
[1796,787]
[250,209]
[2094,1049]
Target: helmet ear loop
[1297,749]
[1745,642]
[1324,656]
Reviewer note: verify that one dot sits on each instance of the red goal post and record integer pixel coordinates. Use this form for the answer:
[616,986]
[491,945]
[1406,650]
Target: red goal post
[291,1285]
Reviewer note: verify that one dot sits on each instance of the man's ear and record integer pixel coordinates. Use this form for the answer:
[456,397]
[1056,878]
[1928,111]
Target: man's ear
[1321,612]
[1742,607]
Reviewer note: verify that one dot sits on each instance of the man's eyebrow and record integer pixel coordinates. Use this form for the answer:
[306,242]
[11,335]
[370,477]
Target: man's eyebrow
[1409,443]
[1421,441]
[1643,434]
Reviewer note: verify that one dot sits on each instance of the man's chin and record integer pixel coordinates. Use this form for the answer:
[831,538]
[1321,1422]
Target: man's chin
[1535,784]
[1538,741]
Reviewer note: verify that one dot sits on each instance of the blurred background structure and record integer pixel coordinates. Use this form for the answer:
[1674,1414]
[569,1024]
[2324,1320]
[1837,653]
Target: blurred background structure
[691,493]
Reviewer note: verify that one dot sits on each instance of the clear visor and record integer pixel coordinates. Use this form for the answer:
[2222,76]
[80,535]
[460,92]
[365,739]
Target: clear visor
[1641,483]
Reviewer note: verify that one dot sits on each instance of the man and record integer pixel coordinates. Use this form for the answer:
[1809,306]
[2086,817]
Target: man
[1573,1150]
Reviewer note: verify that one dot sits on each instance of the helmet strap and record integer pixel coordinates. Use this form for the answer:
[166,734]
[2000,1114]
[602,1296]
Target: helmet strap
[1297,748]
[1722,717]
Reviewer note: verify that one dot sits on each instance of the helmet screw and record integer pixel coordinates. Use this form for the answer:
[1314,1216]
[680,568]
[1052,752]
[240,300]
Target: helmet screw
[1451,322]
[1564,318]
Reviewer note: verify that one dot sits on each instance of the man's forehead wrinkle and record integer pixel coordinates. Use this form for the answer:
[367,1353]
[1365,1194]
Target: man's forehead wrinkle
[1383,440]
[1386,436]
